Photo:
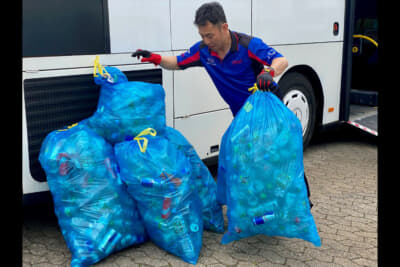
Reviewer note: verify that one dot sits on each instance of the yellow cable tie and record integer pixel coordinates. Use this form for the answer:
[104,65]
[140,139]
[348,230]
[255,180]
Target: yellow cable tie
[253,89]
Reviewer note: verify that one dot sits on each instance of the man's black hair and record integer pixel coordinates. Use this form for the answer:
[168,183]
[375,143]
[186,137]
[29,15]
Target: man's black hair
[212,12]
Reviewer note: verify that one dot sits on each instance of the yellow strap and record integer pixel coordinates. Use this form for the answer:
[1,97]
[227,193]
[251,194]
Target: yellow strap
[100,68]
[69,127]
[96,66]
[366,38]
[139,137]
[254,88]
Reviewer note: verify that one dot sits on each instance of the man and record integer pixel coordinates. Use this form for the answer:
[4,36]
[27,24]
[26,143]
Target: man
[234,61]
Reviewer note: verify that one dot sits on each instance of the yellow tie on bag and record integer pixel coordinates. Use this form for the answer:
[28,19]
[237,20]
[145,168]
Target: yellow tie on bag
[253,89]
[98,67]
[140,137]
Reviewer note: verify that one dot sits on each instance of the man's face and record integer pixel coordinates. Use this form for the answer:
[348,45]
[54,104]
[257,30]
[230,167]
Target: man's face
[213,35]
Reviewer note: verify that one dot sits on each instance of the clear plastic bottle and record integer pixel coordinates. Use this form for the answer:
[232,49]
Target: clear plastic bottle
[109,242]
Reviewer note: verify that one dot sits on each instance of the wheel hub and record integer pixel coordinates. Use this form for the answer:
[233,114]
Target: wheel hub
[297,102]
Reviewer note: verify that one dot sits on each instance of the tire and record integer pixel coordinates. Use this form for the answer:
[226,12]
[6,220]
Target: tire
[299,97]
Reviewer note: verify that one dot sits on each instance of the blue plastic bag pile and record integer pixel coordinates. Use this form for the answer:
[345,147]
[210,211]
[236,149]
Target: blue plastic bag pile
[261,173]
[121,177]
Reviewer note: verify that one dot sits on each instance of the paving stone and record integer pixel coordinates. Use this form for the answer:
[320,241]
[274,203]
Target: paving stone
[226,258]
[56,257]
[365,262]
[38,249]
[295,263]
[345,262]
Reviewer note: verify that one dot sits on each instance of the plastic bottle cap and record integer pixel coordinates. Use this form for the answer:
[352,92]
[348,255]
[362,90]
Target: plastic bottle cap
[67,211]
[194,227]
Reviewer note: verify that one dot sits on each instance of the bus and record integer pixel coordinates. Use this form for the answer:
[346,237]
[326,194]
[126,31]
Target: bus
[61,40]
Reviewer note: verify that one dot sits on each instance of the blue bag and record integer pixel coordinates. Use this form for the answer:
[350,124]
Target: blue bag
[204,182]
[96,214]
[125,108]
[263,173]
[158,176]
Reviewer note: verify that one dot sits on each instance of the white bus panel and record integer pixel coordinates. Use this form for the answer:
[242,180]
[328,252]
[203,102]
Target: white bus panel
[293,21]
[205,131]
[139,24]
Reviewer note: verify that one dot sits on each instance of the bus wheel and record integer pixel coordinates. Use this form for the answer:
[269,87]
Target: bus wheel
[298,96]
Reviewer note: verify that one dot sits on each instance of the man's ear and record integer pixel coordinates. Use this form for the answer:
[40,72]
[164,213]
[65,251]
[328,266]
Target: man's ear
[225,27]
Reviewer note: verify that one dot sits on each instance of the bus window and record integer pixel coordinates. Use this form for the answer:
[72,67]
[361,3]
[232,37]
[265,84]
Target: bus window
[56,28]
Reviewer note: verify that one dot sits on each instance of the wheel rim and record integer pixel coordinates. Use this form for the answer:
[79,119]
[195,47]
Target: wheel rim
[297,102]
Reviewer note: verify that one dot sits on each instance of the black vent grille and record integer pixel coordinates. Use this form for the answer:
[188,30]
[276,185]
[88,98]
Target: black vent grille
[52,103]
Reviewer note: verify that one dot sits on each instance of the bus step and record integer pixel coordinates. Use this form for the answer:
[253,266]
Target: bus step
[364,118]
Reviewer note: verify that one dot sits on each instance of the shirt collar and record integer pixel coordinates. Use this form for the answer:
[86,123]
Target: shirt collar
[235,41]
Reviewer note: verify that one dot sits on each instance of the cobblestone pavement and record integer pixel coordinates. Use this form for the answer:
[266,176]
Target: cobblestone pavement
[341,167]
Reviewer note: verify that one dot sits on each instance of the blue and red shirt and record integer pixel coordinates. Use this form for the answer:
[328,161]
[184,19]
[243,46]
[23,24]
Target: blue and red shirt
[237,72]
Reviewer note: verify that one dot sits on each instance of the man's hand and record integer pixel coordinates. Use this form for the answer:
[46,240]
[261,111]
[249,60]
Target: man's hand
[147,56]
[265,82]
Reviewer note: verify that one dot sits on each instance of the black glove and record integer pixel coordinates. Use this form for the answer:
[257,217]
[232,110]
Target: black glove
[141,53]
[147,56]
[265,82]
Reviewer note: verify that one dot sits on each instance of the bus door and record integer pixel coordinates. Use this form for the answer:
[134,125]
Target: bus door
[364,84]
